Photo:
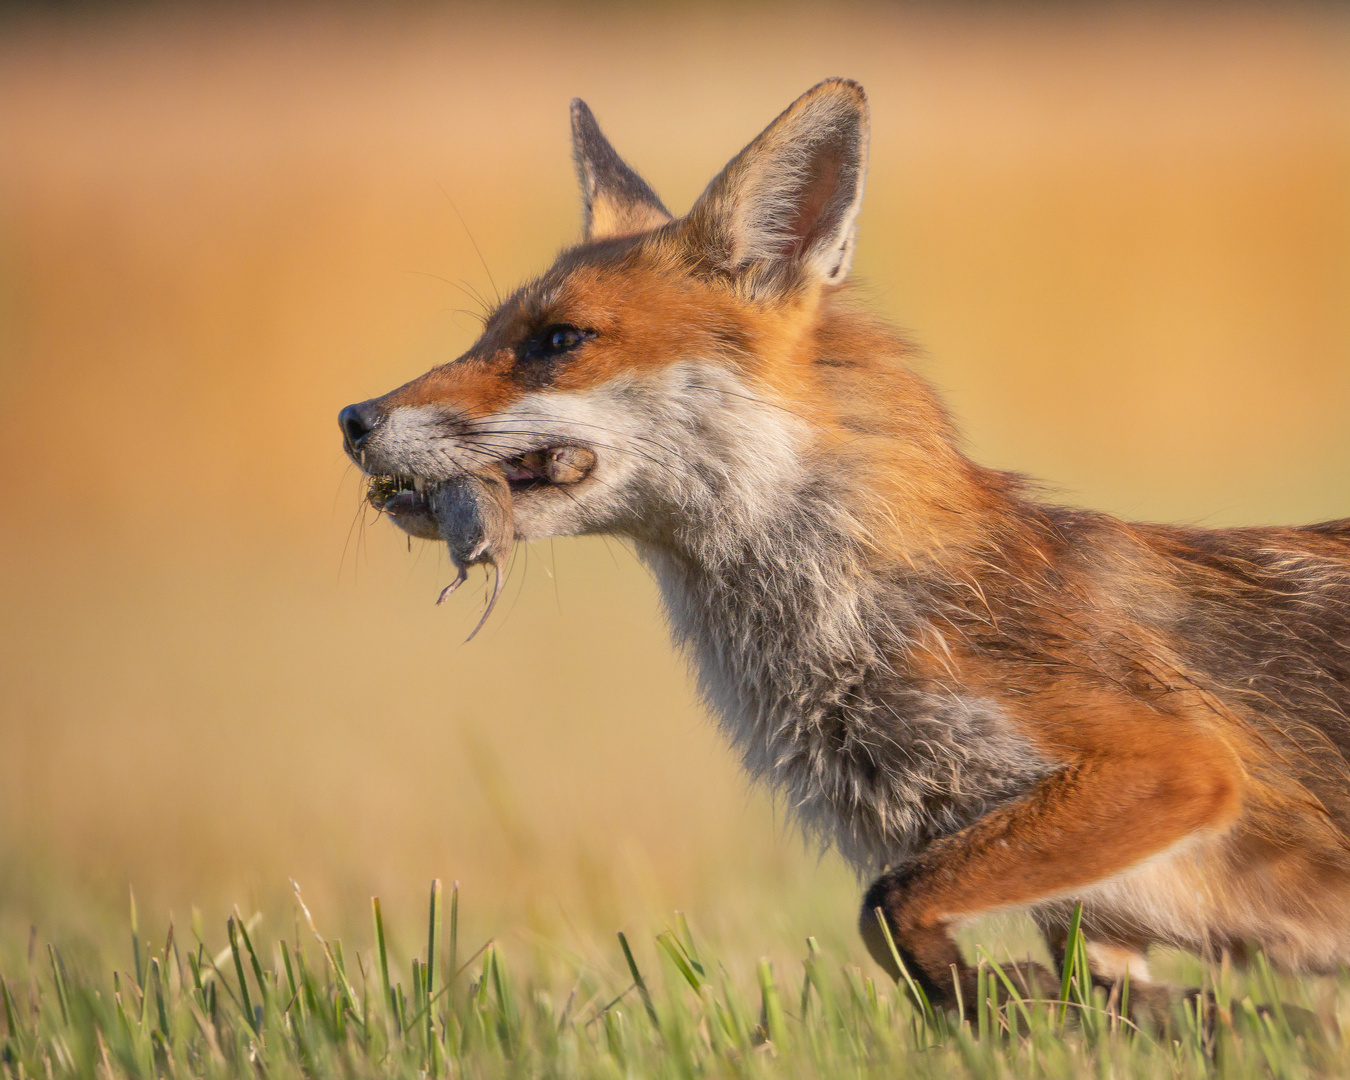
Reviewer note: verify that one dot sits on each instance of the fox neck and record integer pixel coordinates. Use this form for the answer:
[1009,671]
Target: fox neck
[798,633]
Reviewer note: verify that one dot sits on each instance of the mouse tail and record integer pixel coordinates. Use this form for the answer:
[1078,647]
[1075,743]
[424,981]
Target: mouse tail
[492,601]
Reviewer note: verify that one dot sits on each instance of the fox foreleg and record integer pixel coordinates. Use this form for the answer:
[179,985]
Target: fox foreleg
[1090,820]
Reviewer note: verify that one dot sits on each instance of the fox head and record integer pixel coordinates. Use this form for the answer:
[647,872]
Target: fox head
[662,376]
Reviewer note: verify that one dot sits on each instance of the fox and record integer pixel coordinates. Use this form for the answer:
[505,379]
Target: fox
[984,702]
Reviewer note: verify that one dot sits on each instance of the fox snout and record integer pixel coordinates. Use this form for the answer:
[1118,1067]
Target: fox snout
[384,436]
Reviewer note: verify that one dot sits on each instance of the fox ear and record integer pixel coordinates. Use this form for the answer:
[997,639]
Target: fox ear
[617,200]
[788,202]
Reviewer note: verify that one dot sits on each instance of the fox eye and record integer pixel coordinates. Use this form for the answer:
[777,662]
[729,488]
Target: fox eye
[553,341]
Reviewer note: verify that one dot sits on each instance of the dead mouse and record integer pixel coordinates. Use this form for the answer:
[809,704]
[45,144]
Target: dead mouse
[476,522]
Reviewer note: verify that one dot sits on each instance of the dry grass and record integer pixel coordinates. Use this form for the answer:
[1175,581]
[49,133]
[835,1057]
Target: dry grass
[1123,235]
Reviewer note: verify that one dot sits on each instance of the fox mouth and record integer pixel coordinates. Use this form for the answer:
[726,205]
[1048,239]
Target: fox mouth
[406,499]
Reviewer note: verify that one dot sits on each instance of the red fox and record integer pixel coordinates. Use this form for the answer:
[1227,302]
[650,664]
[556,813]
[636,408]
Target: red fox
[989,702]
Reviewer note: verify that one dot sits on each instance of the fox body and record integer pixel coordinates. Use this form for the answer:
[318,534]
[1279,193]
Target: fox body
[982,701]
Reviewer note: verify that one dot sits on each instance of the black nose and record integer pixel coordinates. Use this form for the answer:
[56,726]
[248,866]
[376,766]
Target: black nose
[357,422]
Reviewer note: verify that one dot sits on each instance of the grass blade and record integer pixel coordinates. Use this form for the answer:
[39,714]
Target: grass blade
[771,1006]
[452,964]
[686,940]
[916,991]
[639,982]
[383,952]
[1070,959]
[16,1032]
[258,977]
[59,980]
[348,994]
[246,1003]
[670,945]
[429,975]
[136,940]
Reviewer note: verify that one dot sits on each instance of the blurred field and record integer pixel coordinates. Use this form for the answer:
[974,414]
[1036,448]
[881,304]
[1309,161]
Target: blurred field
[1121,233]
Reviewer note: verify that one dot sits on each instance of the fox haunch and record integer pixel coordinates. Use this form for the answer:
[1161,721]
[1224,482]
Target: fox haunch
[987,701]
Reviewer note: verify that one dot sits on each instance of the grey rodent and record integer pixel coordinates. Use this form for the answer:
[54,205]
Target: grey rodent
[476,523]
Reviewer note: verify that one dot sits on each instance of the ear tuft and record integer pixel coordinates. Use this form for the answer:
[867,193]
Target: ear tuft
[788,203]
[617,200]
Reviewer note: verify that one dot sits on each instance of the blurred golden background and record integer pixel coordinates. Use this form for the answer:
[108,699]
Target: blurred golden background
[1122,234]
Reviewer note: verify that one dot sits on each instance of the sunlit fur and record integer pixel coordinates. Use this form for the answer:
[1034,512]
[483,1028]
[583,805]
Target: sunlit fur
[1000,703]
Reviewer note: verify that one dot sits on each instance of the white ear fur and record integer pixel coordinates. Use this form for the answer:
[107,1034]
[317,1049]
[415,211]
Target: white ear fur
[791,198]
[617,201]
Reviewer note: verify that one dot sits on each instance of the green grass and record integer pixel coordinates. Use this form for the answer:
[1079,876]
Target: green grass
[306,1006]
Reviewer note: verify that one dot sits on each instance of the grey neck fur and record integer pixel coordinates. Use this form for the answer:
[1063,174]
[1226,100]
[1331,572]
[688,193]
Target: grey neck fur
[799,643]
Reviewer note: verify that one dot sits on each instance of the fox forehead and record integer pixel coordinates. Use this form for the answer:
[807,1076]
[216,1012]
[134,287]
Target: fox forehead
[644,307]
